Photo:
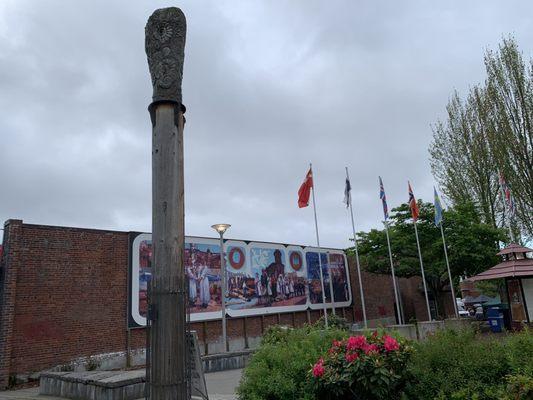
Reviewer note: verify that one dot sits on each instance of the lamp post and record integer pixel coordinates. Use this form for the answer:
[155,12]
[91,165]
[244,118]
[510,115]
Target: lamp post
[221,228]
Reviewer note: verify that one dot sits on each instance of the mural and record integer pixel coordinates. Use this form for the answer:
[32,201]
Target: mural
[262,278]
[313,277]
[202,269]
[340,278]
[267,283]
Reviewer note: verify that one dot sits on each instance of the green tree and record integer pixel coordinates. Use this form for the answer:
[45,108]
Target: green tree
[491,130]
[472,245]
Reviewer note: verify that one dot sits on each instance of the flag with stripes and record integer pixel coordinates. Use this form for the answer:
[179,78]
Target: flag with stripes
[383,198]
[412,203]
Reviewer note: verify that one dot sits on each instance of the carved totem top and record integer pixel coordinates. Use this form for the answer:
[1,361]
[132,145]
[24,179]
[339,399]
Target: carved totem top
[165,45]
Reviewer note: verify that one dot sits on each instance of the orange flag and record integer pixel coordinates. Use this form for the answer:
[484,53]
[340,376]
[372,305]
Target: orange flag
[412,203]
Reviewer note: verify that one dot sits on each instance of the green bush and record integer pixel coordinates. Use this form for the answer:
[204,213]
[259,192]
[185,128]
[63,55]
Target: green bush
[519,352]
[456,365]
[462,365]
[278,370]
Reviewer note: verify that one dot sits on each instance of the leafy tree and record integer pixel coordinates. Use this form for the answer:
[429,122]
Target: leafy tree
[472,245]
[491,130]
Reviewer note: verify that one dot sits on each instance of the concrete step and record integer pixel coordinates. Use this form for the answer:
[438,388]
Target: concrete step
[94,385]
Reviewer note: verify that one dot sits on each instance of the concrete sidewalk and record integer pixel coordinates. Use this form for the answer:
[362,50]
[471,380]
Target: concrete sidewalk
[220,385]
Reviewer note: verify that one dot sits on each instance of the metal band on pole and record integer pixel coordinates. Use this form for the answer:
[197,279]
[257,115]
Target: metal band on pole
[319,251]
[422,270]
[357,260]
[449,271]
[396,296]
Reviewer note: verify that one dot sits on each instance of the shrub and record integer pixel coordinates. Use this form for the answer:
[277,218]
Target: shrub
[334,321]
[519,352]
[278,370]
[362,367]
[520,387]
[462,365]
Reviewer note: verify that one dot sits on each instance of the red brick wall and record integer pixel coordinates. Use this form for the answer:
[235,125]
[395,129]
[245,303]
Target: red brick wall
[64,291]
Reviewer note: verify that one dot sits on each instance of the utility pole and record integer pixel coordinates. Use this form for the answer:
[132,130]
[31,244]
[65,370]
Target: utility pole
[168,351]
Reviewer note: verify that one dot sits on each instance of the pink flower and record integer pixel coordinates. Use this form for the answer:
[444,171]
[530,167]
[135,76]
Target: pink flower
[356,342]
[318,368]
[390,343]
[351,357]
[371,348]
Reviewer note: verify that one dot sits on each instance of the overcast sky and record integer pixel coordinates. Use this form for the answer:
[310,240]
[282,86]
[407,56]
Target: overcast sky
[269,87]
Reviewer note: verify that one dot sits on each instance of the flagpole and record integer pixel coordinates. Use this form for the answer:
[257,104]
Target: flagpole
[396,297]
[422,270]
[449,271]
[511,236]
[319,251]
[502,193]
[357,258]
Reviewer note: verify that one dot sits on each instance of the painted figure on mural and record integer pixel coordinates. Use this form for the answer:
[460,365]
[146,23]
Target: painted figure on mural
[277,267]
[203,281]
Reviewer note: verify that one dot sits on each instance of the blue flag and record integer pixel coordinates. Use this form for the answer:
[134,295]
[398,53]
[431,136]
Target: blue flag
[438,208]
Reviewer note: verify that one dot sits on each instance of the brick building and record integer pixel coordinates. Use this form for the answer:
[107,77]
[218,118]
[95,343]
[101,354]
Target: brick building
[64,295]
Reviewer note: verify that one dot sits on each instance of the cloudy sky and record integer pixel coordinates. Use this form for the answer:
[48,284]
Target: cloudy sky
[269,87]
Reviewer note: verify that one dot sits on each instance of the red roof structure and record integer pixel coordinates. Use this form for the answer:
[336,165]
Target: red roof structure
[515,263]
[514,248]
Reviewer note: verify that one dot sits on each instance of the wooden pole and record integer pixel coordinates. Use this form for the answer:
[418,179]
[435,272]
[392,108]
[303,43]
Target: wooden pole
[165,43]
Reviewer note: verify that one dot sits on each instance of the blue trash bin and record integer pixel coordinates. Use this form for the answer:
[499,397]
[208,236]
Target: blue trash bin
[495,318]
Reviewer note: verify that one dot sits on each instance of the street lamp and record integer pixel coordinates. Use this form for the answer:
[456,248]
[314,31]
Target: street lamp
[221,228]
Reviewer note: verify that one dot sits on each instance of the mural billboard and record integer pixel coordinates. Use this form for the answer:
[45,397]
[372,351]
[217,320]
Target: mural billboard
[262,278]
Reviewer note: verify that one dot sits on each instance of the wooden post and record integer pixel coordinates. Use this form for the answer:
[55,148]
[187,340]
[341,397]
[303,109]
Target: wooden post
[165,43]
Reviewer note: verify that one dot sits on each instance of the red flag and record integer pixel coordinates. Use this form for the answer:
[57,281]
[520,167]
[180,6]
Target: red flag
[305,190]
[412,203]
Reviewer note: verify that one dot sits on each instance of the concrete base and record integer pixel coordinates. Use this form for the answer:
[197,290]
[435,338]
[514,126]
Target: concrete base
[428,328]
[94,385]
[123,385]
[407,331]
[226,361]
[457,323]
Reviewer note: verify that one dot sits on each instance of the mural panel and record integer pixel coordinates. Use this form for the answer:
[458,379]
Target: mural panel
[262,278]
[267,283]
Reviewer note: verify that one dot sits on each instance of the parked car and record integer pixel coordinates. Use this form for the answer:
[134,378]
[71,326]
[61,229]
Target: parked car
[463,313]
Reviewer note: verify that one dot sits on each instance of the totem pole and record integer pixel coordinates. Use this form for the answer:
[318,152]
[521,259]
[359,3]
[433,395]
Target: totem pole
[167,344]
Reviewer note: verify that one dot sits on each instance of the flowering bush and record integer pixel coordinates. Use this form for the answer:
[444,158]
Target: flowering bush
[362,367]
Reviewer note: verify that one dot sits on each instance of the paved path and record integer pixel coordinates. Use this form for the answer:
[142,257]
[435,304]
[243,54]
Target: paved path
[220,385]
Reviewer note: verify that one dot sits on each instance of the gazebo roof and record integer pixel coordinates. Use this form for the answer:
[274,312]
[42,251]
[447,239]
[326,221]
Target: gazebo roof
[507,269]
[514,248]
